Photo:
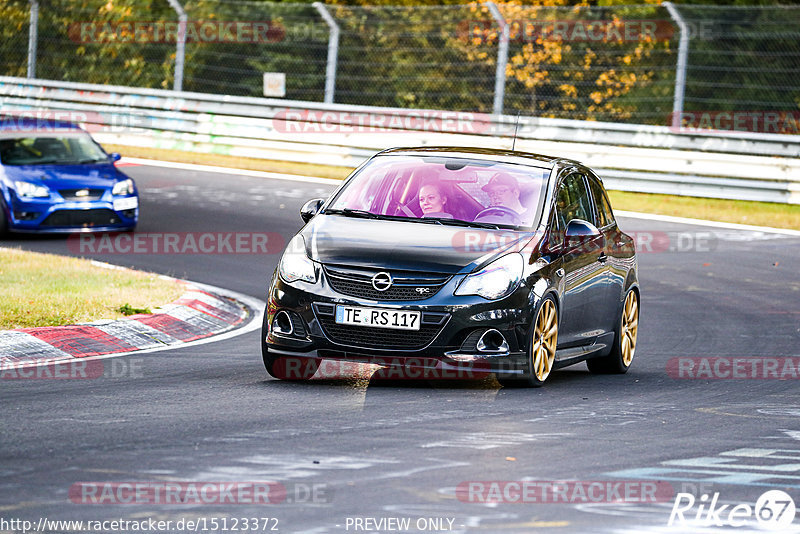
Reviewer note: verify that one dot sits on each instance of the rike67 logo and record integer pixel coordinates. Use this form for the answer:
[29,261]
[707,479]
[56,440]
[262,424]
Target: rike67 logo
[774,510]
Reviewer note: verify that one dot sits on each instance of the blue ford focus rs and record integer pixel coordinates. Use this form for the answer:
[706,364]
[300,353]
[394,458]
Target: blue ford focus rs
[55,178]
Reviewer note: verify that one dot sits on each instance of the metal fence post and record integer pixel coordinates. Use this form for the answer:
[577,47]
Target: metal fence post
[502,59]
[333,52]
[680,72]
[33,37]
[180,50]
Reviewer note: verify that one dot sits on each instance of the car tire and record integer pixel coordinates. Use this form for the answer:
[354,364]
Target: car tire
[619,360]
[3,221]
[285,367]
[540,346]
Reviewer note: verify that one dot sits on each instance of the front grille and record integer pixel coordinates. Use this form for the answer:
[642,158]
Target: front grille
[82,218]
[72,194]
[379,338]
[406,285]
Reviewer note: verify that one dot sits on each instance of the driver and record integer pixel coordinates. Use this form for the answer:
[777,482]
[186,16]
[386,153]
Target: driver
[503,191]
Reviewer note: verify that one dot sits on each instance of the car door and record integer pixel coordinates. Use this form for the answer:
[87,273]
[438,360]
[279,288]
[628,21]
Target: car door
[615,271]
[585,278]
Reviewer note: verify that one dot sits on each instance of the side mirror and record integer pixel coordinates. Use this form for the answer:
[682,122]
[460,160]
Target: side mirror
[311,208]
[115,156]
[580,232]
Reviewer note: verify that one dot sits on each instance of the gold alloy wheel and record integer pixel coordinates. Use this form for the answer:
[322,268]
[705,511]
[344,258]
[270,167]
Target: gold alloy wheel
[629,328]
[545,336]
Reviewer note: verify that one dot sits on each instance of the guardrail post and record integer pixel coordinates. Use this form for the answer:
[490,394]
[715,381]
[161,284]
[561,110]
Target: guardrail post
[180,50]
[33,37]
[680,72]
[502,59]
[333,51]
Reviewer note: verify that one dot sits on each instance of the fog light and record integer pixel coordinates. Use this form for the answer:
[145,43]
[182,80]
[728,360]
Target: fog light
[492,341]
[492,315]
[282,324]
[26,215]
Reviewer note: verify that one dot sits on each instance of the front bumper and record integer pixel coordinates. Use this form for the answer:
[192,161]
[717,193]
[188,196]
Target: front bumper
[446,341]
[47,216]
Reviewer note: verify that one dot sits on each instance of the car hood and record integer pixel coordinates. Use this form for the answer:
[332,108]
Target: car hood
[66,176]
[334,239]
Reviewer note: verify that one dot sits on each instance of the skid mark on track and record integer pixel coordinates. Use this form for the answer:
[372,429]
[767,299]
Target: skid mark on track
[492,440]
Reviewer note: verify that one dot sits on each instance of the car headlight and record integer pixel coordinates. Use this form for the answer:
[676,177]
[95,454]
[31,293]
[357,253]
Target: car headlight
[29,190]
[295,263]
[496,280]
[125,187]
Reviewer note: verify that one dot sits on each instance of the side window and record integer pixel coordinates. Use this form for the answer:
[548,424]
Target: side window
[601,204]
[556,237]
[572,201]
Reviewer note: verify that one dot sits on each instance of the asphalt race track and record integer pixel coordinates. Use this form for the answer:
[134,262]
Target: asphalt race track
[353,453]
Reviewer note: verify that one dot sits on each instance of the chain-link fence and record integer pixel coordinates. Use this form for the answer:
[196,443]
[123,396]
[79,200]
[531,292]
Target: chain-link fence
[743,58]
[613,63]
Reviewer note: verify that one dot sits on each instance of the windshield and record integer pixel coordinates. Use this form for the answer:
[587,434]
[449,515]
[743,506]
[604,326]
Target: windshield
[50,148]
[445,189]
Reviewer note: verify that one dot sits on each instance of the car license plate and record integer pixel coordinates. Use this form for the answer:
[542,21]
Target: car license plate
[378,317]
[127,203]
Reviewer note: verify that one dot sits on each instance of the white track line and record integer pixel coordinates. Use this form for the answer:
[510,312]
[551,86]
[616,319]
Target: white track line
[231,170]
[256,305]
[703,222]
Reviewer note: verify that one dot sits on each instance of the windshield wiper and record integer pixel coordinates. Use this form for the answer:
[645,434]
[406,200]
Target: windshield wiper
[474,224]
[79,161]
[369,215]
[364,214]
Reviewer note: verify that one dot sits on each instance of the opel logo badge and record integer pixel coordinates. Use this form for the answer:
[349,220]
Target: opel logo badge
[82,193]
[382,281]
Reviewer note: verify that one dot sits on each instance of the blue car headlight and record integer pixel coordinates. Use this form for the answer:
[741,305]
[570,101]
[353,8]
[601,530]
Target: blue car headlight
[295,263]
[29,190]
[498,279]
[125,187]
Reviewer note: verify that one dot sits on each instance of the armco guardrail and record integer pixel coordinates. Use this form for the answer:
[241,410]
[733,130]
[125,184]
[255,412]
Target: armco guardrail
[738,165]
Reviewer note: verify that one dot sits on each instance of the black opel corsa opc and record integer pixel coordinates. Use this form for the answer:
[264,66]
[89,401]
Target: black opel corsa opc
[457,258]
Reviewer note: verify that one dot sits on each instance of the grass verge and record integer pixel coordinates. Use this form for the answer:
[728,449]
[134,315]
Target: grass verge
[49,290]
[712,209]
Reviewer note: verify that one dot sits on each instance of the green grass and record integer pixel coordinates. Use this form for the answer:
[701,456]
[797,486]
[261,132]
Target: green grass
[48,290]
[713,209]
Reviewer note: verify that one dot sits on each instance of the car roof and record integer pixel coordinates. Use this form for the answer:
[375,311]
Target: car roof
[29,123]
[493,154]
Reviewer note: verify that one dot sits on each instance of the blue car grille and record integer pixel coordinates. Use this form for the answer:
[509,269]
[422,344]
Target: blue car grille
[406,285]
[72,194]
[81,218]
